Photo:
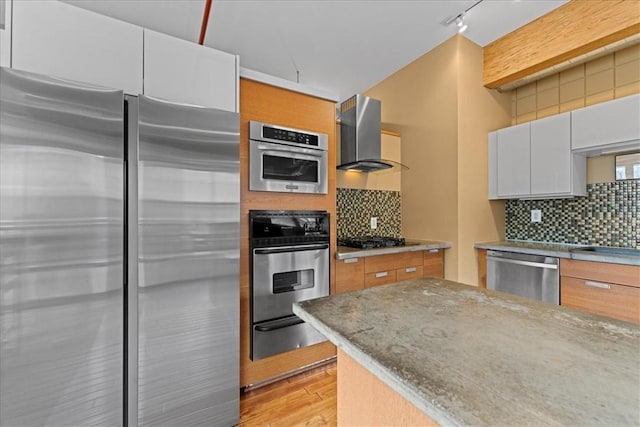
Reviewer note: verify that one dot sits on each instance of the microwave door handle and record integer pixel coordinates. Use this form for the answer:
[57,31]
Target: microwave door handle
[280,325]
[300,152]
[290,249]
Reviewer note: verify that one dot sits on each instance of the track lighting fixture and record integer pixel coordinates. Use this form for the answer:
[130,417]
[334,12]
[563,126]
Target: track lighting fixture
[459,18]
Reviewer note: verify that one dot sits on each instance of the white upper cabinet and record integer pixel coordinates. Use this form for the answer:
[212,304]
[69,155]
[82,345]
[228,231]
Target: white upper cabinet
[57,39]
[534,160]
[514,161]
[554,169]
[5,33]
[185,72]
[608,126]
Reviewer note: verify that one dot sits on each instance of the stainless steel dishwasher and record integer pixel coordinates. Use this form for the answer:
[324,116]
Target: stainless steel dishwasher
[532,276]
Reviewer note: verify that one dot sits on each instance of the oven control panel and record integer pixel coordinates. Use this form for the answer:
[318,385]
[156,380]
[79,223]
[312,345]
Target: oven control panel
[286,227]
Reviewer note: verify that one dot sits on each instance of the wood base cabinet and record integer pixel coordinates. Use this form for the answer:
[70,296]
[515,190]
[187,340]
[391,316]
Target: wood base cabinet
[364,272]
[611,290]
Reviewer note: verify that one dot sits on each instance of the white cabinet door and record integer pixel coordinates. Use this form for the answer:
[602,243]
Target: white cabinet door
[5,33]
[61,40]
[493,165]
[185,72]
[514,161]
[607,123]
[551,155]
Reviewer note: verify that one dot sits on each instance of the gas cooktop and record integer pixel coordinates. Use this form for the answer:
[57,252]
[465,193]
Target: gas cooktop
[369,242]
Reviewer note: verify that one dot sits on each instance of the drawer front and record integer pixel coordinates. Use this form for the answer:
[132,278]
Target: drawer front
[409,273]
[379,278]
[392,261]
[607,299]
[433,264]
[621,274]
[349,275]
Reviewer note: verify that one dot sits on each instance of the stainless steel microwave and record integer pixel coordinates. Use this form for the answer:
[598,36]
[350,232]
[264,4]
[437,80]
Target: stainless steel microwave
[287,160]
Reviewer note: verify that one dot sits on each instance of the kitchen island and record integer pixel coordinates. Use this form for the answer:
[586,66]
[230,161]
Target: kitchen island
[461,355]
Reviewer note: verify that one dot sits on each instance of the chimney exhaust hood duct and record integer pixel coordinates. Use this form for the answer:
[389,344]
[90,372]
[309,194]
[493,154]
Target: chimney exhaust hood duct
[360,138]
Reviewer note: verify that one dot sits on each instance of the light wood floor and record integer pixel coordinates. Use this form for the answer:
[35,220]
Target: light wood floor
[307,399]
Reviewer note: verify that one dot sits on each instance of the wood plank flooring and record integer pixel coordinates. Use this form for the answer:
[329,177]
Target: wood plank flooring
[307,399]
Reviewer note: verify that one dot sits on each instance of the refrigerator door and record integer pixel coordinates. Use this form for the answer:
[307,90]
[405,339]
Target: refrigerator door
[61,240]
[188,290]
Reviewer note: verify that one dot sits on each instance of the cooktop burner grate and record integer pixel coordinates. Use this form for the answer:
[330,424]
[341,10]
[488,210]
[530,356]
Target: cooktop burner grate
[369,242]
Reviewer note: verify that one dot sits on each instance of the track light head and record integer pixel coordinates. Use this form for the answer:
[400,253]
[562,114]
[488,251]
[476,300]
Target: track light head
[462,27]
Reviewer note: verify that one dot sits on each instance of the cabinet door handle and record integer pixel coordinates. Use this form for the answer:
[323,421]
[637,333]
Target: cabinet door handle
[382,274]
[599,285]
[350,260]
[411,270]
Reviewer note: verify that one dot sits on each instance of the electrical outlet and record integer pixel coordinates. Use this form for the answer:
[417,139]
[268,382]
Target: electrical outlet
[374,222]
[536,215]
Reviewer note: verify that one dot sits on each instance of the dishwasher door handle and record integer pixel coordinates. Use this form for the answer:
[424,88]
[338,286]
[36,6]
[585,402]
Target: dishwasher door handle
[527,263]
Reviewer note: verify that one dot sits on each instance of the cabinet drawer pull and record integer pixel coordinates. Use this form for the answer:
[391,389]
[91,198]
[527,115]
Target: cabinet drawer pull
[383,274]
[350,260]
[433,251]
[411,270]
[599,285]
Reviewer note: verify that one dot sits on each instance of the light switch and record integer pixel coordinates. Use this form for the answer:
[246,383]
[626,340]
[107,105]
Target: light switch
[374,222]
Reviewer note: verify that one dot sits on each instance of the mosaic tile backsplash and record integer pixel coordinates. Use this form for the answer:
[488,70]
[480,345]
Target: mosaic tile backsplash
[356,207]
[609,215]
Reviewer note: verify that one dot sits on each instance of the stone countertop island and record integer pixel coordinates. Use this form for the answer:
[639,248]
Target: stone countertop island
[467,356]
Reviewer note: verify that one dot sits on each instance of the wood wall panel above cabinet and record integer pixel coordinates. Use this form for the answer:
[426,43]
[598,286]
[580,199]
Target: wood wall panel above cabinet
[574,29]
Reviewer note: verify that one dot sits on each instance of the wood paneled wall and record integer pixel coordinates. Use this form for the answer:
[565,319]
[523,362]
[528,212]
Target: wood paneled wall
[573,29]
[603,79]
[270,104]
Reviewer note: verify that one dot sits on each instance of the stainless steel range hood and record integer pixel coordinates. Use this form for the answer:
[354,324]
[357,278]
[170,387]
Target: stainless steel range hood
[360,136]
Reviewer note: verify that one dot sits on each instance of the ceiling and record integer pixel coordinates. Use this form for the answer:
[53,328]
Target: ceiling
[341,46]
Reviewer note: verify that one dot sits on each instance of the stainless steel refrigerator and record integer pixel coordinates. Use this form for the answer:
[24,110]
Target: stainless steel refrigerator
[119,258]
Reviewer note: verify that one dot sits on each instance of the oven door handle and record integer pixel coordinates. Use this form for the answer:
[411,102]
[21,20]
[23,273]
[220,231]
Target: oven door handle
[290,249]
[285,323]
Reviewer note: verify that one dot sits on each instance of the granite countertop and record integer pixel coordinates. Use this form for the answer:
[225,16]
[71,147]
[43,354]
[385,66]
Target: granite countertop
[469,356]
[560,250]
[344,252]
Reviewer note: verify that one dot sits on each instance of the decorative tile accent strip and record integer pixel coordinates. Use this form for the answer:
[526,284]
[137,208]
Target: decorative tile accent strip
[609,215]
[356,207]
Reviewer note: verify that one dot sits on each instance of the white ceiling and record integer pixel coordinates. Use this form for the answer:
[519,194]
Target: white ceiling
[341,46]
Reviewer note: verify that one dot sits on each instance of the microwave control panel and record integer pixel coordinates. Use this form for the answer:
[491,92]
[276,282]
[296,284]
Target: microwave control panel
[266,132]
[289,135]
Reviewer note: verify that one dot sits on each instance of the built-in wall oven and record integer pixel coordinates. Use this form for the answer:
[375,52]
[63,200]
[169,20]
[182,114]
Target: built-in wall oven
[286,159]
[289,263]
